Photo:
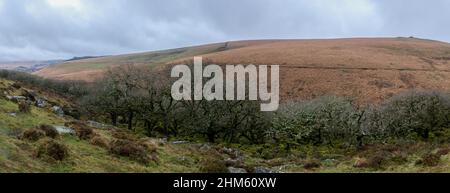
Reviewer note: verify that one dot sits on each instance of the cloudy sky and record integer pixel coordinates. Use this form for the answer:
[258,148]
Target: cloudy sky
[52,29]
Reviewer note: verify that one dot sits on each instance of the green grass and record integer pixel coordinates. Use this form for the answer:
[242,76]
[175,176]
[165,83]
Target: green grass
[19,155]
[23,120]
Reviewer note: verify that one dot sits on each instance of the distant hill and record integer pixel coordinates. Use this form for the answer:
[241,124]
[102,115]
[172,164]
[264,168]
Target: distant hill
[367,69]
[28,66]
[82,58]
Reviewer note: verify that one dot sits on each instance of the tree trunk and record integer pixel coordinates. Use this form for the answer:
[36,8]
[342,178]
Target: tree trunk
[114,119]
[130,120]
[211,137]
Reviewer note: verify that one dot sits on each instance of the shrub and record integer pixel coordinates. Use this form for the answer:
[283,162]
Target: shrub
[443,151]
[376,161]
[429,160]
[213,165]
[373,159]
[83,131]
[416,112]
[52,149]
[49,131]
[322,121]
[361,163]
[399,158]
[100,142]
[124,135]
[24,107]
[133,150]
[32,134]
[268,152]
[311,164]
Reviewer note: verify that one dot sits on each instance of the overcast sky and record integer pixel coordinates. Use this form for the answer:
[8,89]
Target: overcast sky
[52,29]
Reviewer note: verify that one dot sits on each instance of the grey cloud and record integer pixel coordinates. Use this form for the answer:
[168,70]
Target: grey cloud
[34,29]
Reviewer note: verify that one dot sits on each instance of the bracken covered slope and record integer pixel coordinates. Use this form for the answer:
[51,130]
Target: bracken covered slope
[366,69]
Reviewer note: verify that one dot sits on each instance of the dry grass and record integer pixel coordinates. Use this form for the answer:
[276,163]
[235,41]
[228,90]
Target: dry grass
[356,68]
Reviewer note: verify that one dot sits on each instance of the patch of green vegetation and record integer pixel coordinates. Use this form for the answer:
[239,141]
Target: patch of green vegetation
[25,120]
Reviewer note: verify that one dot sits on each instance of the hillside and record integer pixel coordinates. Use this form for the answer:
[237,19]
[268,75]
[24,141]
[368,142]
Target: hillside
[89,69]
[367,69]
[21,152]
[27,66]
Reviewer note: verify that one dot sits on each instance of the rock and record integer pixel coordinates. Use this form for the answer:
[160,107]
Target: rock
[64,130]
[205,147]
[236,170]
[163,140]
[231,152]
[98,125]
[264,170]
[16,98]
[40,103]
[182,159]
[13,114]
[58,111]
[179,142]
